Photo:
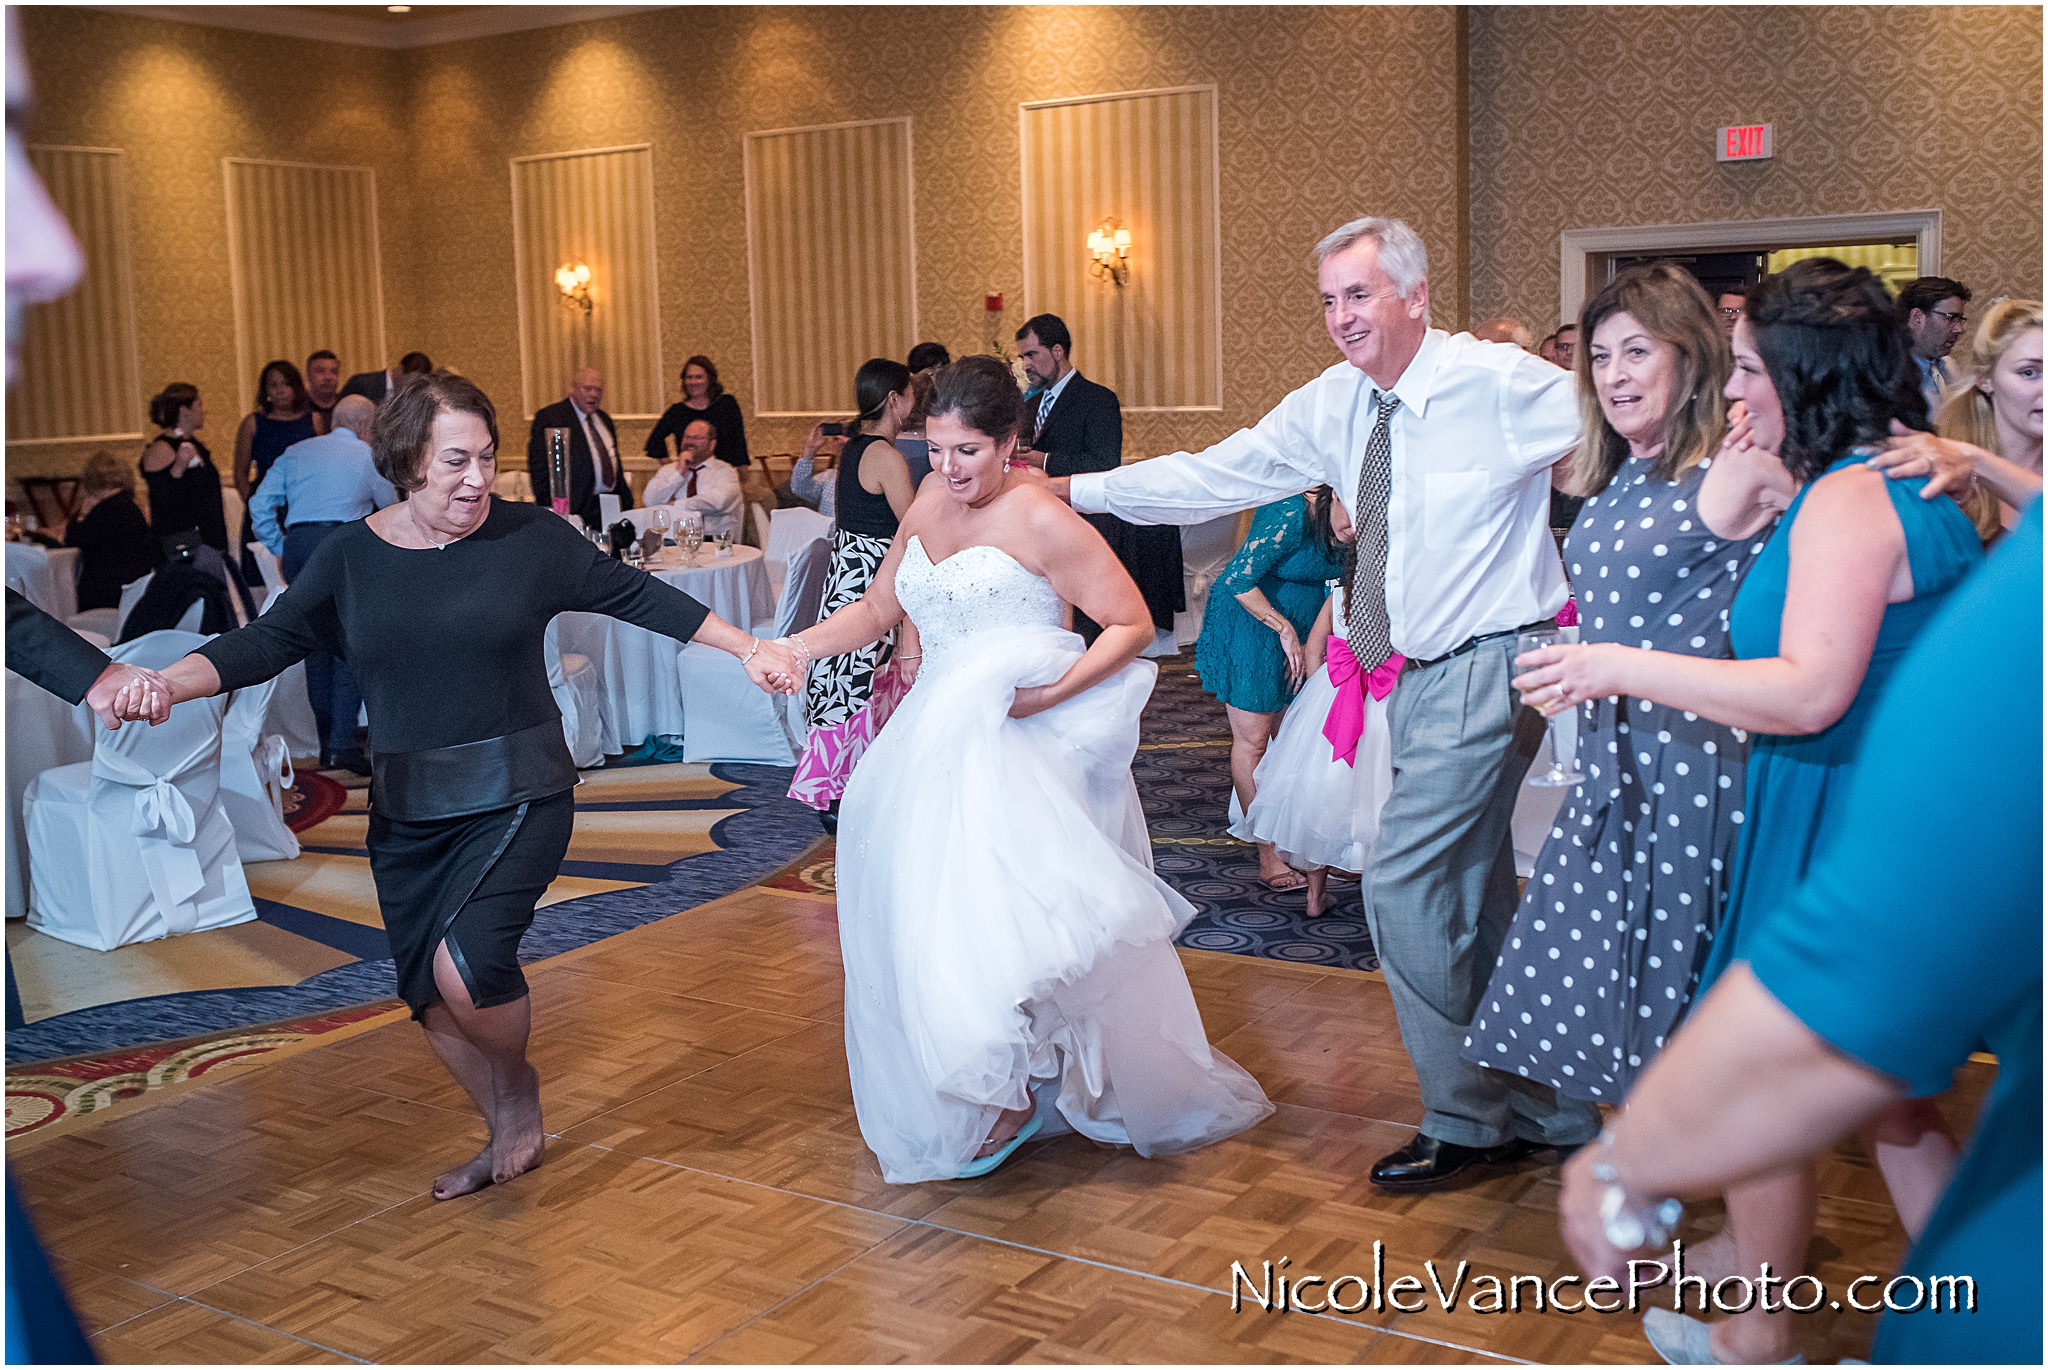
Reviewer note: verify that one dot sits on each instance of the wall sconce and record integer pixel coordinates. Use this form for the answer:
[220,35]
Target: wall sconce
[1110,246]
[573,279]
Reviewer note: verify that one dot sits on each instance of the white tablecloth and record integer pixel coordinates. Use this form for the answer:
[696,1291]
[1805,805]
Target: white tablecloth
[642,693]
[42,733]
[49,578]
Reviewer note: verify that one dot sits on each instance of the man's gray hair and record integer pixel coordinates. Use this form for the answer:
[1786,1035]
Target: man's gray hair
[355,413]
[1402,255]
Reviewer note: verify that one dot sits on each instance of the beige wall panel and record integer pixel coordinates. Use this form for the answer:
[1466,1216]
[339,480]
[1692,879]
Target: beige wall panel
[1147,160]
[832,262]
[303,259]
[1876,109]
[594,207]
[80,378]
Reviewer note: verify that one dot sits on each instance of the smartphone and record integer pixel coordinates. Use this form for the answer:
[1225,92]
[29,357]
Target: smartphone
[834,430]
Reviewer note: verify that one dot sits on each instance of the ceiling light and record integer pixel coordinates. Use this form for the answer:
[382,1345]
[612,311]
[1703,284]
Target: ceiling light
[399,9]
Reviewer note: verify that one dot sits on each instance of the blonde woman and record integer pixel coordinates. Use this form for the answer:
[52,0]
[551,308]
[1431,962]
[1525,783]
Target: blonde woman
[1996,404]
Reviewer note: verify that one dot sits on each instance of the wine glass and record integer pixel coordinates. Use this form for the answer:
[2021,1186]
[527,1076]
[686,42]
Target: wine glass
[693,535]
[1561,772]
[662,521]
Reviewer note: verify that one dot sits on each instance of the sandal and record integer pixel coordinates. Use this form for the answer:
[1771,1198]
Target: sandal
[1003,1153]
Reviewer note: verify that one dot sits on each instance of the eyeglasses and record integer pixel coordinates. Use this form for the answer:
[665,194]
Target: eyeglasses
[1952,320]
[1731,313]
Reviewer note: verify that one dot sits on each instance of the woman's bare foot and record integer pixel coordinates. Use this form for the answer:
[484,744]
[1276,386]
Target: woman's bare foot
[1319,897]
[1006,1127]
[517,1141]
[465,1179]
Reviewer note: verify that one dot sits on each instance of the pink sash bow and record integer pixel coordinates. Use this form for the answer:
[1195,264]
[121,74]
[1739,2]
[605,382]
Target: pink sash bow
[1345,723]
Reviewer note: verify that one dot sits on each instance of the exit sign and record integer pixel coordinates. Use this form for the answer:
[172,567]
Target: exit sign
[1743,143]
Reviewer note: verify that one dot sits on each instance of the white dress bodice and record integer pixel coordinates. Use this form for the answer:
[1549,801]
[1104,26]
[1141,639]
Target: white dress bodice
[972,591]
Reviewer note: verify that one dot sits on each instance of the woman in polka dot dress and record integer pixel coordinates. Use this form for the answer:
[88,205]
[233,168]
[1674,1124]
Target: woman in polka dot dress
[1617,920]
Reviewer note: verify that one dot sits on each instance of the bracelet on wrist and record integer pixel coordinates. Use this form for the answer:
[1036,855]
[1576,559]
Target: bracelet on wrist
[1630,1226]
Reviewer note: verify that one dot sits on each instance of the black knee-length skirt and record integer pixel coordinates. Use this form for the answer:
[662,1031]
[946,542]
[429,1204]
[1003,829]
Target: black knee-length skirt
[472,881]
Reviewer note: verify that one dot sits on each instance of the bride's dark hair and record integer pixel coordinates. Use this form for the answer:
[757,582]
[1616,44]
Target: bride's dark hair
[1323,532]
[981,391]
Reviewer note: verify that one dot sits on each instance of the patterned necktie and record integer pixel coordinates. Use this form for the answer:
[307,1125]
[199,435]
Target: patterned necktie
[1044,409]
[1365,611]
[607,473]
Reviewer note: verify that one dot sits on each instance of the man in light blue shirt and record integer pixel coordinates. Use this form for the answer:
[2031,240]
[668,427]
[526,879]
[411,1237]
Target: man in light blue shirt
[315,487]
[320,483]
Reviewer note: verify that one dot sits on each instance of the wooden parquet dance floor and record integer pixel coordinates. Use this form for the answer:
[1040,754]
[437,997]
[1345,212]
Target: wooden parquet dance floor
[707,1196]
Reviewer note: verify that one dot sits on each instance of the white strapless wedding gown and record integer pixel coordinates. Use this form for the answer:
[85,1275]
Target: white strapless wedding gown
[998,914]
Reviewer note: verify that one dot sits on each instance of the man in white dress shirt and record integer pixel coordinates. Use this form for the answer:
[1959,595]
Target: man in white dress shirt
[1442,448]
[694,481]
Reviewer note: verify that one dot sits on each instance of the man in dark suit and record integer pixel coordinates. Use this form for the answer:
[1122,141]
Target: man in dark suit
[594,467]
[376,386]
[1076,425]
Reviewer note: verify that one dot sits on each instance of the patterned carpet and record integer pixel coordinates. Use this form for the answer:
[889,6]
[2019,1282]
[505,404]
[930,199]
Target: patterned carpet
[649,841]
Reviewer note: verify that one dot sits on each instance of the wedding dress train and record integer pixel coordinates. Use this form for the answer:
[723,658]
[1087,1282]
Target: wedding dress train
[1001,925]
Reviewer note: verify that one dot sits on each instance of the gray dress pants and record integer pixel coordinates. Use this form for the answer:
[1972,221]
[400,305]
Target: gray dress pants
[1443,892]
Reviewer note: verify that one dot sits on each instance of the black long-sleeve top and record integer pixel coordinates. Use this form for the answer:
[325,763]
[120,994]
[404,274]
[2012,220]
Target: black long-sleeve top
[50,654]
[114,547]
[724,416]
[448,644]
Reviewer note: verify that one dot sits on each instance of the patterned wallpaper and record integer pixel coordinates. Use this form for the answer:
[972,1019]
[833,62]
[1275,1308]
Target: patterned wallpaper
[1578,117]
[1585,118]
[178,98]
[1324,114]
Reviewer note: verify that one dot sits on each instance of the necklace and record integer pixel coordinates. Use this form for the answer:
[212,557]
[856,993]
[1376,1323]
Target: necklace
[414,519]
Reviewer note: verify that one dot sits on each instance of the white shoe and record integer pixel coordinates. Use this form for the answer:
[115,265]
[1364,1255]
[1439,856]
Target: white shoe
[1682,1340]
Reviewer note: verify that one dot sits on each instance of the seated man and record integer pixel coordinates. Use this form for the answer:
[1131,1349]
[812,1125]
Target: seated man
[694,481]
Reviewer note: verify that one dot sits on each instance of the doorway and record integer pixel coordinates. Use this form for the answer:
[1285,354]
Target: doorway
[1897,246]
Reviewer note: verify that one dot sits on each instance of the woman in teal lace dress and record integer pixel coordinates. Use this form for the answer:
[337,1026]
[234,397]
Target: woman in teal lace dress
[1857,566]
[1250,652]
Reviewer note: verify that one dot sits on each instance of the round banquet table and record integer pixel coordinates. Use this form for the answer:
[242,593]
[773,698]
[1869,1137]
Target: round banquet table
[642,693]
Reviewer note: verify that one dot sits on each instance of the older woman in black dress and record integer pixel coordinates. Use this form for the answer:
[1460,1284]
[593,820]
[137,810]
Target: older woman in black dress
[441,604]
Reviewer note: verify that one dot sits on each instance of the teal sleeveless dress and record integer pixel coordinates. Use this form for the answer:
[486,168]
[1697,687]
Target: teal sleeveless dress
[1797,784]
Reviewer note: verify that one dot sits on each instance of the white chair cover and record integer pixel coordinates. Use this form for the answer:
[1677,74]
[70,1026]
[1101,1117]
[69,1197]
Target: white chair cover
[756,526]
[1205,549]
[136,844]
[47,577]
[41,735]
[579,694]
[725,716]
[273,574]
[513,485]
[231,505]
[98,626]
[255,771]
[789,530]
[131,595]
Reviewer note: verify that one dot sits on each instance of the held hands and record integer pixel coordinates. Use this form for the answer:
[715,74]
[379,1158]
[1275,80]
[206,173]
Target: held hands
[1950,467]
[130,694]
[774,668]
[1557,678]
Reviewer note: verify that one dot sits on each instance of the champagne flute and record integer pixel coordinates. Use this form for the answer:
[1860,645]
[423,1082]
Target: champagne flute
[1558,776]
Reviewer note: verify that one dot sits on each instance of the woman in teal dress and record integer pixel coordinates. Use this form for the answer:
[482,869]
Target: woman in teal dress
[1250,654]
[1857,566]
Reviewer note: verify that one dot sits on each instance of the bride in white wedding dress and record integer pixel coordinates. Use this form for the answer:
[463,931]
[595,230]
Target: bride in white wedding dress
[1010,969]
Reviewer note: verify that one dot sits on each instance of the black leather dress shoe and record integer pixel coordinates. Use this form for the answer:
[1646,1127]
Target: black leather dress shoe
[1427,1162]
